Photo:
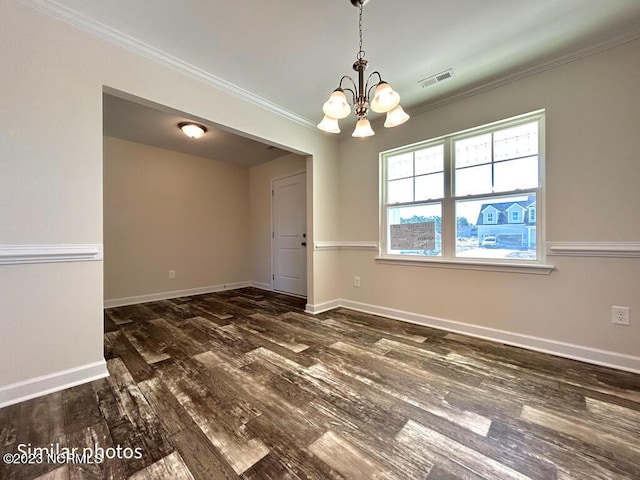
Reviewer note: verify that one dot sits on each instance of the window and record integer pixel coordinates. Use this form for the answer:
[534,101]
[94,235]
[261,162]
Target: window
[515,214]
[469,195]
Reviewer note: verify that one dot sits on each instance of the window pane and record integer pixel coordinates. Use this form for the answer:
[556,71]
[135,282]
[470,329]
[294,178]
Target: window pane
[473,151]
[422,237]
[473,180]
[400,166]
[514,174]
[430,187]
[478,235]
[400,191]
[514,142]
[429,160]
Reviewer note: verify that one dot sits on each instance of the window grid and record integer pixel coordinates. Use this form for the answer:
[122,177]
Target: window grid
[450,203]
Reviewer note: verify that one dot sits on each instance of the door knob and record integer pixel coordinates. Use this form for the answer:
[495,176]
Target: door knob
[304,244]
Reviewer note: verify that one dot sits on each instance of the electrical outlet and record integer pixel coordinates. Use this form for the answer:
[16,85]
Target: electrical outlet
[620,315]
[172,274]
[356,281]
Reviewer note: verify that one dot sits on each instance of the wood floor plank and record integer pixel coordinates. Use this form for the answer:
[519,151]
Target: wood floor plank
[432,441]
[328,329]
[9,418]
[61,473]
[172,466]
[131,420]
[243,384]
[168,409]
[351,462]
[411,386]
[80,408]
[608,437]
[151,349]
[177,341]
[230,439]
[622,417]
[117,345]
[382,327]
[204,461]
[269,402]
[287,454]
[569,457]
[226,341]
[345,404]
[40,424]
[288,332]
[271,467]
[88,438]
[41,420]
[275,338]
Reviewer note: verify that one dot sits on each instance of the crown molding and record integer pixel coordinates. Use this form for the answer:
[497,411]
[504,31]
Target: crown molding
[531,70]
[82,22]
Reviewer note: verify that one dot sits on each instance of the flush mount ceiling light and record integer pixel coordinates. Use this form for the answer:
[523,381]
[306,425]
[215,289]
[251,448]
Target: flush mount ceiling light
[384,99]
[192,130]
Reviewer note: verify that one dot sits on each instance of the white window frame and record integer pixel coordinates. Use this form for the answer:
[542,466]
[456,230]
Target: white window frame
[447,259]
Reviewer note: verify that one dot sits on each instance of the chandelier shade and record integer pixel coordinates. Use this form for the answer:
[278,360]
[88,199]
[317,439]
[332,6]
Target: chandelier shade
[337,105]
[396,116]
[384,100]
[329,125]
[363,129]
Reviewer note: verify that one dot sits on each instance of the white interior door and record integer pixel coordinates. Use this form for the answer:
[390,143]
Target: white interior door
[289,234]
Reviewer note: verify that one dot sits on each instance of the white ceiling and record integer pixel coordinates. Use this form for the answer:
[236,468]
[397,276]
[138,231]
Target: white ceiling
[156,125]
[293,52]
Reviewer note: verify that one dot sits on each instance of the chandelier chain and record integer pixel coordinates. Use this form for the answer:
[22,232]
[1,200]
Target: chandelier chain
[360,52]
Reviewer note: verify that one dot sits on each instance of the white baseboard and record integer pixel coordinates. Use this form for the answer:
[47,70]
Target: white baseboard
[605,358]
[322,307]
[262,286]
[154,297]
[53,382]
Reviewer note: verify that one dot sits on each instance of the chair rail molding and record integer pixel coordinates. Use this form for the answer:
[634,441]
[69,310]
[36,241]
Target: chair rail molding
[594,249]
[21,254]
[346,245]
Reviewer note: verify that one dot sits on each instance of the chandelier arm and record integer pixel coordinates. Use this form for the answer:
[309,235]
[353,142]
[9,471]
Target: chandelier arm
[347,77]
[353,95]
[367,88]
[350,90]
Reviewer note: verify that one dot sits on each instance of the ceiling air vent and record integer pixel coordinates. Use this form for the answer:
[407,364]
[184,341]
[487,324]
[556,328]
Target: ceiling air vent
[437,78]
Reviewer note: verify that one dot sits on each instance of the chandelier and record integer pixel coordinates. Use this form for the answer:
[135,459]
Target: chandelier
[384,100]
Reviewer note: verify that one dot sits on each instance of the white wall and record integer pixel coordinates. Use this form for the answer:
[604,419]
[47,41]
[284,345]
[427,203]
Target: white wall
[165,210]
[52,81]
[592,176]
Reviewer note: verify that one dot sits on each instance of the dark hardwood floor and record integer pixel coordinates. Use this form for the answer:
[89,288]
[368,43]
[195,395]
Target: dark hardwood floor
[243,384]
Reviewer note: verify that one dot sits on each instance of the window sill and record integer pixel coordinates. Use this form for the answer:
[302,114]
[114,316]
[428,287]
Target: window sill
[531,268]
